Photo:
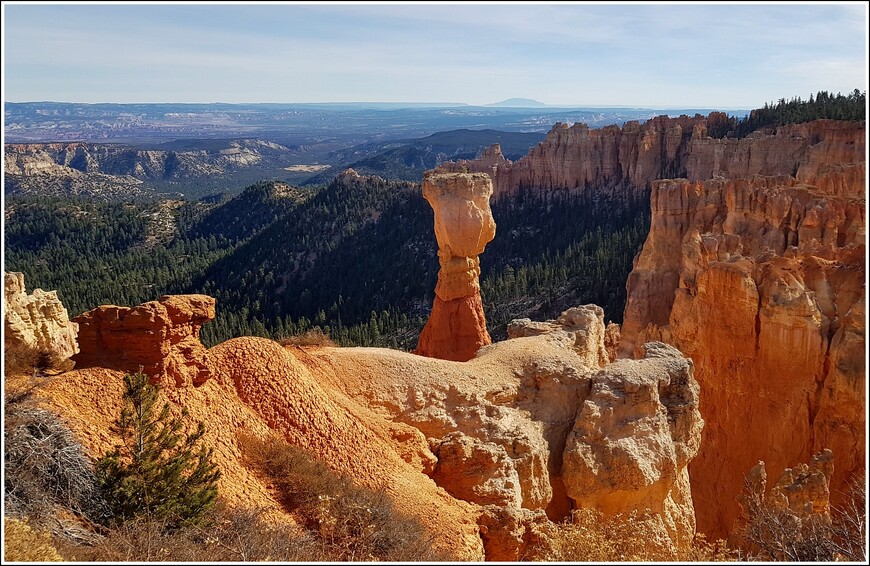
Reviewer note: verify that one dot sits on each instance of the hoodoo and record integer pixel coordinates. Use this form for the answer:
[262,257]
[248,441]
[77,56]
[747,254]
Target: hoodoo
[463,226]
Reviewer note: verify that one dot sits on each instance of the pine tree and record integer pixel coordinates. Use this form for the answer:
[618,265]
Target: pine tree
[157,472]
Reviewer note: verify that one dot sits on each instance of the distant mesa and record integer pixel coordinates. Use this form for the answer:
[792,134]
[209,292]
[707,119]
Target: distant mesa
[518,103]
[315,168]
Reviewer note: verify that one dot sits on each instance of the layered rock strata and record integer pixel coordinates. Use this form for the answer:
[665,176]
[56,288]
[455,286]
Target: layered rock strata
[37,323]
[533,427]
[160,337]
[456,328]
[629,158]
[761,281]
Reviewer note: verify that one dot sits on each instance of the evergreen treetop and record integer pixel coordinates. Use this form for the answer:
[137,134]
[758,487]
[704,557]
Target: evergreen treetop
[158,471]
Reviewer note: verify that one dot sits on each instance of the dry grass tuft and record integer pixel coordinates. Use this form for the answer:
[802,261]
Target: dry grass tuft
[312,337]
[353,523]
[23,544]
[590,536]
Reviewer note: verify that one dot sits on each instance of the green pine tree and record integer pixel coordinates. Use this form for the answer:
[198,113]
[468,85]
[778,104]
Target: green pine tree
[158,471]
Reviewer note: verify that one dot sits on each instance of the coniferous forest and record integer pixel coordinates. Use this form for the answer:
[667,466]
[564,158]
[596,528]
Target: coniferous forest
[356,258]
[823,106]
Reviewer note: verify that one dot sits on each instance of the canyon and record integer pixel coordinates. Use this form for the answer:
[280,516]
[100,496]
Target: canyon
[124,171]
[486,453]
[761,282]
[741,355]
[754,267]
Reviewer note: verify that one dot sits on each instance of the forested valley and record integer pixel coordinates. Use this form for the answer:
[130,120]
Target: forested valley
[356,258]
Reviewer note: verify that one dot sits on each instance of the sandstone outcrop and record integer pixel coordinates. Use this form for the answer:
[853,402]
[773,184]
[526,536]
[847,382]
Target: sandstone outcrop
[633,439]
[799,498]
[36,323]
[804,489]
[761,282]
[534,425]
[161,337]
[629,158]
[583,324]
[456,328]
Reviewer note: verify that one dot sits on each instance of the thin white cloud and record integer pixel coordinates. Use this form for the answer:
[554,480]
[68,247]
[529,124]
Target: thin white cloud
[617,54]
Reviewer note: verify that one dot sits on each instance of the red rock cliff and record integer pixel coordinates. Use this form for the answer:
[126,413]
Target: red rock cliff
[160,336]
[761,281]
[631,157]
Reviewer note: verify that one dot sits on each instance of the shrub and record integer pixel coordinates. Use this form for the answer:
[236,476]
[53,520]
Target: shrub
[354,523]
[19,361]
[157,472]
[312,337]
[235,535]
[23,360]
[775,532]
[45,466]
[849,522]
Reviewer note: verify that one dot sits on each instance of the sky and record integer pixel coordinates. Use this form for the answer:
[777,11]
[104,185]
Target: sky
[649,55]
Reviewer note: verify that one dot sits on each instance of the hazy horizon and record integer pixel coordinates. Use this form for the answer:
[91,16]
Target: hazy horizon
[436,104]
[564,55]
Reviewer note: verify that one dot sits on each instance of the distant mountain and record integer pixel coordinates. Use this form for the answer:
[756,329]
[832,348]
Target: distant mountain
[407,159]
[518,103]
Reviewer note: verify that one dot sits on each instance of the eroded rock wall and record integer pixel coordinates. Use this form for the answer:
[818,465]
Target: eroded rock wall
[633,156]
[761,281]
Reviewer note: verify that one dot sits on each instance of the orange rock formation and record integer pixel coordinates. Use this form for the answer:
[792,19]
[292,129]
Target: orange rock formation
[804,489]
[456,328]
[259,387]
[484,453]
[37,322]
[631,157]
[761,282]
[533,427]
[160,336]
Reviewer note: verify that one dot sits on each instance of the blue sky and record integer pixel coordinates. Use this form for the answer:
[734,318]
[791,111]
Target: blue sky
[713,55]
